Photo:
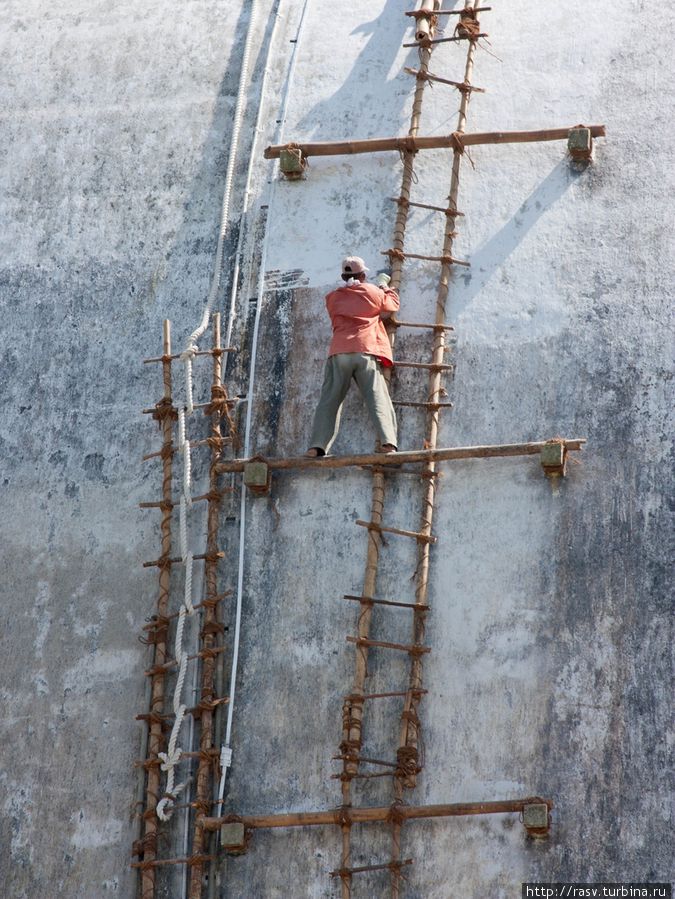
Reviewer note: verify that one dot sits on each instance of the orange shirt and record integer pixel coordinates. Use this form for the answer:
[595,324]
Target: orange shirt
[355,315]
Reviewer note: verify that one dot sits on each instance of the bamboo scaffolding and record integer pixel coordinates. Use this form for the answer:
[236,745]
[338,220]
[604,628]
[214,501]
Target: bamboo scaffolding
[158,682]
[408,749]
[210,626]
[355,815]
[353,708]
[457,140]
[445,454]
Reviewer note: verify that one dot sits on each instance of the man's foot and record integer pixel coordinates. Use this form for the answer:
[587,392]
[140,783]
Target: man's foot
[387,448]
[314,451]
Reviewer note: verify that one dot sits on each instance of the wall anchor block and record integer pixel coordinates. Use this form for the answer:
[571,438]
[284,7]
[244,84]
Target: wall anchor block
[580,144]
[536,820]
[292,163]
[258,477]
[553,456]
[233,837]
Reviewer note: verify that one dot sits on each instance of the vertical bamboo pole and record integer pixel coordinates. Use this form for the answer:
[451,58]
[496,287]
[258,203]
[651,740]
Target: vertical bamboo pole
[156,738]
[209,630]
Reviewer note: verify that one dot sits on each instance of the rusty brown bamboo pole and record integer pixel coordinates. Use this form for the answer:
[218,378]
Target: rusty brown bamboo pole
[444,454]
[158,683]
[209,629]
[356,815]
[432,142]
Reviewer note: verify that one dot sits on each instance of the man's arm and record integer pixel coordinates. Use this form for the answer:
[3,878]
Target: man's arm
[390,302]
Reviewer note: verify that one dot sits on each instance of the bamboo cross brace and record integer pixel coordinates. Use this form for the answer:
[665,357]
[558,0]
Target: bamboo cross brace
[413,144]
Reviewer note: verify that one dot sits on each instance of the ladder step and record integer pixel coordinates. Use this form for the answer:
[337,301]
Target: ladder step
[431,366]
[421,538]
[368,600]
[460,85]
[387,866]
[399,254]
[427,13]
[414,649]
[356,697]
[446,40]
[175,560]
[433,327]
[403,202]
[424,405]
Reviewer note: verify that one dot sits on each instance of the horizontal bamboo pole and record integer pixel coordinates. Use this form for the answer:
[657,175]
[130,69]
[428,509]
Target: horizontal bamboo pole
[379,813]
[418,13]
[214,352]
[436,455]
[412,144]
[448,40]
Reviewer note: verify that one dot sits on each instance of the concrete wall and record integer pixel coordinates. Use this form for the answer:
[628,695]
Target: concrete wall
[550,669]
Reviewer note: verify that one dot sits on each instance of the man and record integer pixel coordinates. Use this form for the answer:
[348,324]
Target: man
[359,349]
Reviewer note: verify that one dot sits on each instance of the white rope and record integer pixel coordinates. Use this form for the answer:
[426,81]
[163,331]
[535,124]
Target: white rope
[172,757]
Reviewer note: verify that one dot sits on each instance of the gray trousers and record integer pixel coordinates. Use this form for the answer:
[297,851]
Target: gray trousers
[366,370]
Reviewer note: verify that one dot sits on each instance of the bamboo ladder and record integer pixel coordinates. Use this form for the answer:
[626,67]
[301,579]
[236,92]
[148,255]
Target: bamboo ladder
[157,631]
[408,762]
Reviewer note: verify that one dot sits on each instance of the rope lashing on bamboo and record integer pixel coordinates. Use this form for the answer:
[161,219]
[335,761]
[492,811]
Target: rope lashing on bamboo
[468,25]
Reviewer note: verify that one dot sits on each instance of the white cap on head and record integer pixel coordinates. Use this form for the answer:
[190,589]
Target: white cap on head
[353,265]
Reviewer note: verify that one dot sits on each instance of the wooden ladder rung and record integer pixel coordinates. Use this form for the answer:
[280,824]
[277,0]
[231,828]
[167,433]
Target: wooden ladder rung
[431,366]
[432,327]
[355,697]
[421,538]
[424,405]
[175,560]
[368,600]
[453,213]
[448,260]
[414,649]
[387,866]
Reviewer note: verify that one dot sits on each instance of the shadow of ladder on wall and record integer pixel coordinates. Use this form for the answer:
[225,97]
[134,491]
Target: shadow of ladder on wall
[407,764]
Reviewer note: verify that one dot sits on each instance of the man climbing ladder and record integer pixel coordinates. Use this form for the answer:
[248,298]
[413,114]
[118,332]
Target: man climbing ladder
[359,349]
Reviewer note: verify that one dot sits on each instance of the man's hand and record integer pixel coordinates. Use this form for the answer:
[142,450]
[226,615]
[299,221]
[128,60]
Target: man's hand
[383,279]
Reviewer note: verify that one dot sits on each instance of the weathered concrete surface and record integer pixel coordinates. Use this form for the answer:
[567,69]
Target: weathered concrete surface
[550,672]
[115,131]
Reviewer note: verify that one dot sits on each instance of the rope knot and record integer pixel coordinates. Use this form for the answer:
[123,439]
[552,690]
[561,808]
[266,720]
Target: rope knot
[189,353]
